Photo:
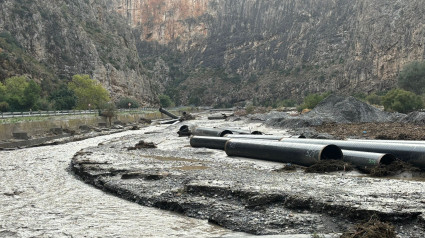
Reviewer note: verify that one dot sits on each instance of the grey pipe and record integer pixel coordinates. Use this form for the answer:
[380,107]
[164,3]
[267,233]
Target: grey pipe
[162,110]
[256,137]
[367,159]
[186,130]
[301,154]
[416,142]
[202,131]
[414,154]
[208,142]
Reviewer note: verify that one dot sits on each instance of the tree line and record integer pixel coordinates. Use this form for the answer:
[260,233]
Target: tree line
[22,94]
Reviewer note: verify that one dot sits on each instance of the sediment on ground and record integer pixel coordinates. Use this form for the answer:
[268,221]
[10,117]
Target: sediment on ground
[253,196]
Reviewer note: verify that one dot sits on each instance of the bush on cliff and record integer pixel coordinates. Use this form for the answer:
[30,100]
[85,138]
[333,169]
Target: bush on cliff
[412,77]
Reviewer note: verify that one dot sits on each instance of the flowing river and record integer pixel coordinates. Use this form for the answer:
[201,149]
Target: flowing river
[40,197]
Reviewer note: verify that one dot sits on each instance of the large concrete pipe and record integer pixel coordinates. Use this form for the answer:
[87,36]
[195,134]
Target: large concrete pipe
[414,154]
[208,142]
[202,131]
[162,110]
[301,154]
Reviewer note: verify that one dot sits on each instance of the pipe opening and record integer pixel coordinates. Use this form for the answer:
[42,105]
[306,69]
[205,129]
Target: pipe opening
[225,132]
[256,133]
[184,128]
[387,159]
[331,152]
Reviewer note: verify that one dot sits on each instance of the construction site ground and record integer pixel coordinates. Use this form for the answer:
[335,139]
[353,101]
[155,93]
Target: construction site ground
[253,196]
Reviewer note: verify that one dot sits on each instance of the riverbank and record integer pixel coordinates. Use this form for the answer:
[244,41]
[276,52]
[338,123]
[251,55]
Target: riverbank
[252,196]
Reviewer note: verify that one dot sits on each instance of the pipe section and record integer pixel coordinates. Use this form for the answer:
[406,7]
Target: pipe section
[256,137]
[202,131]
[415,142]
[208,142]
[412,153]
[162,110]
[367,159]
[301,154]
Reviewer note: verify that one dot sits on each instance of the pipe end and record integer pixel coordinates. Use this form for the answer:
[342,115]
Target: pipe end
[387,159]
[225,132]
[331,152]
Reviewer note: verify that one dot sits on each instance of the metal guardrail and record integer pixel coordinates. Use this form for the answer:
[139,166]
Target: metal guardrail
[68,112]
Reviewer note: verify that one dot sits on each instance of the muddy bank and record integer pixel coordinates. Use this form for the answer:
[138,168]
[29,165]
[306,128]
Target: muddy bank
[247,195]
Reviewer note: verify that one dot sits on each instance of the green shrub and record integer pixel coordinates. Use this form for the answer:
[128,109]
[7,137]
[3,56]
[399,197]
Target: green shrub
[165,101]
[402,101]
[4,106]
[286,103]
[374,99]
[124,102]
[311,100]
[412,77]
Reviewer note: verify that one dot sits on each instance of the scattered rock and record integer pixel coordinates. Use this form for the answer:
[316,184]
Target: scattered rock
[56,131]
[135,128]
[84,128]
[145,120]
[142,145]
[20,135]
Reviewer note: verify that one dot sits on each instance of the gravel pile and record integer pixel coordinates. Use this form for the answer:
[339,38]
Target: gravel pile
[336,109]
[417,118]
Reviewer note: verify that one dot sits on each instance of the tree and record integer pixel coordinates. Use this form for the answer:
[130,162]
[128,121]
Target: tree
[124,102]
[2,93]
[402,101]
[412,77]
[15,92]
[31,94]
[88,91]
[165,101]
[63,98]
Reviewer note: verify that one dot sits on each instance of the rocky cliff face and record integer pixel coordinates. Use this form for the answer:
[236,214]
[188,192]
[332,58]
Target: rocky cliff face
[52,40]
[280,49]
[220,51]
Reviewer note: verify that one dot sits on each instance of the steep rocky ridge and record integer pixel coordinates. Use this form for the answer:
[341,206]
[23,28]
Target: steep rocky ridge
[279,48]
[215,51]
[52,40]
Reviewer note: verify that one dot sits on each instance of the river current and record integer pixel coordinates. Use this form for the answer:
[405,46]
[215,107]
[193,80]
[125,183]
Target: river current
[40,197]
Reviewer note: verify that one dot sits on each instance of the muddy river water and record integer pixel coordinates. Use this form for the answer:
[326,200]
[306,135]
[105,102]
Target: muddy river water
[40,197]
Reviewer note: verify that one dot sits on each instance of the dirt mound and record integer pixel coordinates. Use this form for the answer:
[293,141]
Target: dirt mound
[392,169]
[325,166]
[349,110]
